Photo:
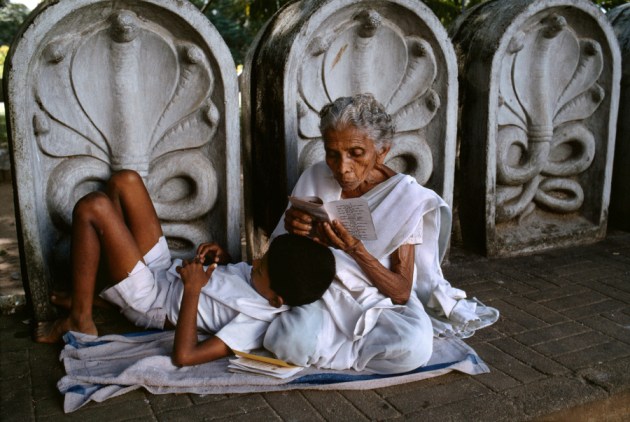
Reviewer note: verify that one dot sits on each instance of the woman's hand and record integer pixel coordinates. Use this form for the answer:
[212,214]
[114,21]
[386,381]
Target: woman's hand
[209,253]
[395,282]
[298,222]
[335,234]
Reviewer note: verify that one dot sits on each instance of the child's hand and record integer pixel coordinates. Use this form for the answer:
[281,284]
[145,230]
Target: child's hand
[192,274]
[209,253]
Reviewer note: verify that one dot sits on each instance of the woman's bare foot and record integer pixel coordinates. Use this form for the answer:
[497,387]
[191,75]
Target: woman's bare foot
[52,332]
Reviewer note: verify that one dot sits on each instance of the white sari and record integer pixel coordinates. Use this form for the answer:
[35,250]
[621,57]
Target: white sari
[354,325]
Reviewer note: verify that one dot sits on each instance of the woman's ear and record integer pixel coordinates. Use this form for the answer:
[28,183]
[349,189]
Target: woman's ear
[382,153]
[276,301]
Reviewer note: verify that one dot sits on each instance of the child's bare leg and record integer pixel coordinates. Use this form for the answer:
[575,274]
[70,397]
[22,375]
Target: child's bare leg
[96,224]
[63,299]
[131,199]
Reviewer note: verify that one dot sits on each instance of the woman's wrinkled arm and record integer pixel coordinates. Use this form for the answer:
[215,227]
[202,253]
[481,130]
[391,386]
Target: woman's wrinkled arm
[395,282]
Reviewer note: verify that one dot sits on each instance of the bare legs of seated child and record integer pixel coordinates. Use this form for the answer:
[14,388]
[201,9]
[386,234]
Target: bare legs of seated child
[120,223]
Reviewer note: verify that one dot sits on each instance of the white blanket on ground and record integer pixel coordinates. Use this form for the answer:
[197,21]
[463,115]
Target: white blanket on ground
[99,368]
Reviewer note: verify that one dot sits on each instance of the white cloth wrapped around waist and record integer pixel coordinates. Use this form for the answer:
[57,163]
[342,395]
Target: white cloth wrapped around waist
[349,316]
[353,303]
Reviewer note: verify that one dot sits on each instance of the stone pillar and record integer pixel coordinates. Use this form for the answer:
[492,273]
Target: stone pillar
[619,17]
[540,91]
[97,86]
[312,52]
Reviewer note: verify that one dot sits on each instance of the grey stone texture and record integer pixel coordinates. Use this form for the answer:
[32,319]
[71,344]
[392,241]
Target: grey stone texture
[620,194]
[312,52]
[98,86]
[539,98]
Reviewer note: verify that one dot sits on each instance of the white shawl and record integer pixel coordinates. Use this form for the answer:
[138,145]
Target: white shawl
[398,207]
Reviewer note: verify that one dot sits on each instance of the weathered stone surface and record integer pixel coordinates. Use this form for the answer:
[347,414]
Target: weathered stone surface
[97,86]
[620,194]
[313,52]
[539,84]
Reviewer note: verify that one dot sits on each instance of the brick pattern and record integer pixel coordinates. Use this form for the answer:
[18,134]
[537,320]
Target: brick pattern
[563,340]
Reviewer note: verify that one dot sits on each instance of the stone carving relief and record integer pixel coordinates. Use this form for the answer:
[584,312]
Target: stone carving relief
[103,107]
[548,88]
[98,86]
[539,100]
[341,62]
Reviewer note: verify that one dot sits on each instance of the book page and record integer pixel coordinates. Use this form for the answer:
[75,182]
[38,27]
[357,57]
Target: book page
[355,215]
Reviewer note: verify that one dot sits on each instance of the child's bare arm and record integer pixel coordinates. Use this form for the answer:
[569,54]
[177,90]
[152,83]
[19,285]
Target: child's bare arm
[187,350]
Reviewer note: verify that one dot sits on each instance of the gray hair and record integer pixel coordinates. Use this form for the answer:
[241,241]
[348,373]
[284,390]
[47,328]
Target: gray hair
[362,111]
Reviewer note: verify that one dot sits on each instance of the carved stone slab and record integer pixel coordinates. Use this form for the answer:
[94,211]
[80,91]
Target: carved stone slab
[540,90]
[620,194]
[313,52]
[97,86]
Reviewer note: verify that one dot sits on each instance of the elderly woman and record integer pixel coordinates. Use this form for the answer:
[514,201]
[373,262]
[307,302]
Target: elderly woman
[374,316]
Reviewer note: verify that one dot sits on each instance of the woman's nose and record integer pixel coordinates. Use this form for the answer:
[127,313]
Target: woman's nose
[345,165]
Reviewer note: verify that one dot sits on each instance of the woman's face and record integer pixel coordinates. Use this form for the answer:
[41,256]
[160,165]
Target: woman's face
[352,156]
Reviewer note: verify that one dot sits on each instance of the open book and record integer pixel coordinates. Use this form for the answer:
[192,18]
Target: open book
[354,213]
[255,363]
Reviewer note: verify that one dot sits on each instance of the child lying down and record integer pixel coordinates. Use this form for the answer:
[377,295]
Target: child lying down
[236,302]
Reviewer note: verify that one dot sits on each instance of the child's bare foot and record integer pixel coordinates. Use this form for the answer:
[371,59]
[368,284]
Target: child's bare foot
[52,332]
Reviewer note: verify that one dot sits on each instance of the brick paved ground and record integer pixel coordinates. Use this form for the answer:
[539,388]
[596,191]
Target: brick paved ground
[563,342]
